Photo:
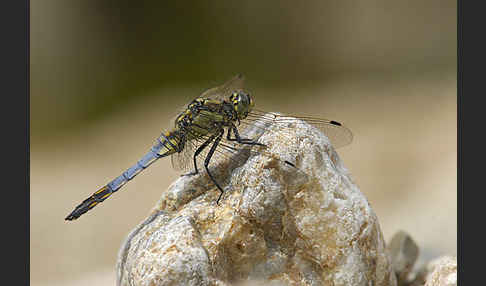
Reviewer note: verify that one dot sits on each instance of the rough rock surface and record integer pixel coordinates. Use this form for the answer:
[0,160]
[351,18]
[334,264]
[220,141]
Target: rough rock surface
[276,224]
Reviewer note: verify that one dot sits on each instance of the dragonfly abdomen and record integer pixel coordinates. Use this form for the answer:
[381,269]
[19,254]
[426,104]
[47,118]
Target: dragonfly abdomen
[167,144]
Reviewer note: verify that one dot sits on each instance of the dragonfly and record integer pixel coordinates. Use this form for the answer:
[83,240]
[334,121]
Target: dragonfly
[198,136]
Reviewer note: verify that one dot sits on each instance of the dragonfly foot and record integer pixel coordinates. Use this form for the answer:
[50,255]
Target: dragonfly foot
[189,174]
[220,195]
[290,163]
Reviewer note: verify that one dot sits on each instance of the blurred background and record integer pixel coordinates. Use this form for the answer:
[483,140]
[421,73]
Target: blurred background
[107,77]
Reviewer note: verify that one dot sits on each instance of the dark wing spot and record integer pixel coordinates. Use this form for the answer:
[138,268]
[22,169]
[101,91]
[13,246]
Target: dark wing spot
[336,123]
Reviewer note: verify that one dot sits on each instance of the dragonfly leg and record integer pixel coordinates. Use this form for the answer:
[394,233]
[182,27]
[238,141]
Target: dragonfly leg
[239,139]
[198,151]
[208,158]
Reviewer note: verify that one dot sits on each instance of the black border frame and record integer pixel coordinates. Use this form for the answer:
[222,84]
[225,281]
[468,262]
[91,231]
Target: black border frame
[15,25]
[470,147]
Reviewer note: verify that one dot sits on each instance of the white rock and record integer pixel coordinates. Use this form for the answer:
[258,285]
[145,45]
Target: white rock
[275,224]
[442,272]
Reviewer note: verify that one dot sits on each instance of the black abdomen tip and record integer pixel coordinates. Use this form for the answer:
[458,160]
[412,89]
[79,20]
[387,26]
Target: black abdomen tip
[70,217]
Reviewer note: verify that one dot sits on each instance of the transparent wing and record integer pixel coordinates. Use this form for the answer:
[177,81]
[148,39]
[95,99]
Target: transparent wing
[258,122]
[183,160]
[338,134]
[255,125]
[224,152]
[223,91]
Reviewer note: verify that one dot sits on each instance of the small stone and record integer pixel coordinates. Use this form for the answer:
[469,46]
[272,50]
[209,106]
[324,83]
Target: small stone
[442,272]
[305,223]
[403,253]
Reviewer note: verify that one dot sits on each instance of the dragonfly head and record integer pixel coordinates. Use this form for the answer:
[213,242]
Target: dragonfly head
[242,103]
